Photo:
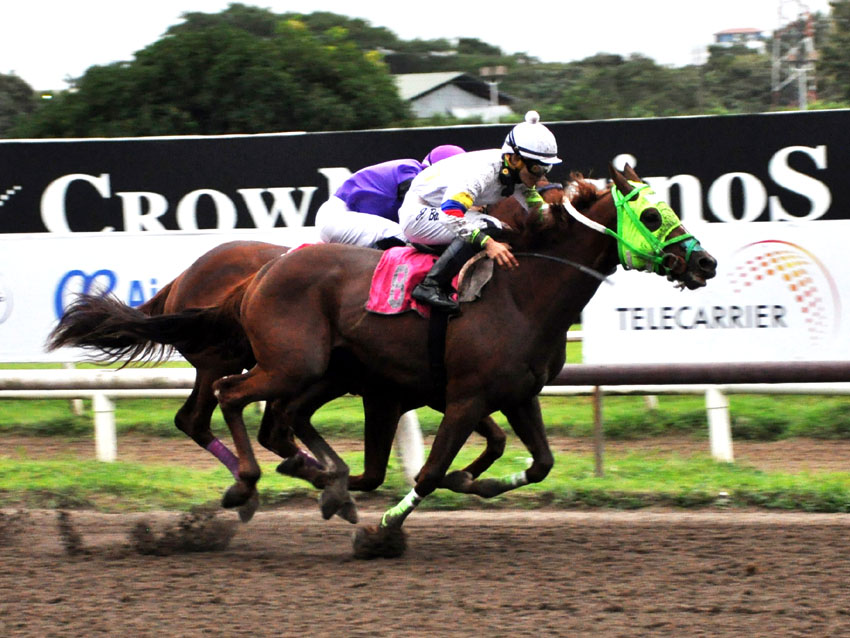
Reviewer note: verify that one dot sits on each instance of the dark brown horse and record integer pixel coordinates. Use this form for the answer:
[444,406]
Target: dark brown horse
[304,317]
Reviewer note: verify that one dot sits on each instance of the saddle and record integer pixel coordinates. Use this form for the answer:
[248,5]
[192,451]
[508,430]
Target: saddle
[400,270]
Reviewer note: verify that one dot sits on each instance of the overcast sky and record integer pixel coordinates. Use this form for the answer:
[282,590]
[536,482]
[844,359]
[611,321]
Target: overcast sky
[46,41]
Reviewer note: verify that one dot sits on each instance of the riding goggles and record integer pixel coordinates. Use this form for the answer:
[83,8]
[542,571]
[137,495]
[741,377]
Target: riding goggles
[538,169]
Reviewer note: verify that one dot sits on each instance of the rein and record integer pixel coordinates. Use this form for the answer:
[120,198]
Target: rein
[568,262]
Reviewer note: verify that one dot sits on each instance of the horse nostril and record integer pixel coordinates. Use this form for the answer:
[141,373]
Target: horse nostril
[707,263]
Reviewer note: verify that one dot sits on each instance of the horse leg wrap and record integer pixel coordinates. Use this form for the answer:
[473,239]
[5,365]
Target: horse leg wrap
[395,516]
[310,460]
[515,480]
[219,450]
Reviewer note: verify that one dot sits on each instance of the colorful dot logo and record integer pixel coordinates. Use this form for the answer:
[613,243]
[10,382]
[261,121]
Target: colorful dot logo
[795,275]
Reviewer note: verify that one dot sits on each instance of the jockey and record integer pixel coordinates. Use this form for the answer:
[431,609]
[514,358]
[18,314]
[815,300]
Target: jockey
[438,208]
[364,210]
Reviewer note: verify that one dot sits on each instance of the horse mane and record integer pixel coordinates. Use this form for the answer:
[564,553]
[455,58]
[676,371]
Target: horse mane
[535,231]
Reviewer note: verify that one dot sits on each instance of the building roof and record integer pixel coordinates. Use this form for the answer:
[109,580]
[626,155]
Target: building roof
[742,30]
[414,85]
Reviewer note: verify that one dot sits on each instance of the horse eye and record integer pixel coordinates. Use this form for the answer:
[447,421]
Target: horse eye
[651,218]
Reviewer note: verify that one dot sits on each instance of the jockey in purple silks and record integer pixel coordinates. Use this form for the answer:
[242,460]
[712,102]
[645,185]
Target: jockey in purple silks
[364,210]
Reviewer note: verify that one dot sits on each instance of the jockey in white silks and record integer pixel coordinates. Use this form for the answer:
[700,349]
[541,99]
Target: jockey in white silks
[437,210]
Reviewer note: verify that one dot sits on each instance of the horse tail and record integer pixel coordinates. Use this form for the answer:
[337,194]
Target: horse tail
[120,332]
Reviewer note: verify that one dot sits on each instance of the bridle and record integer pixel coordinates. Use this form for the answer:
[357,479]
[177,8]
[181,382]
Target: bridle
[638,247]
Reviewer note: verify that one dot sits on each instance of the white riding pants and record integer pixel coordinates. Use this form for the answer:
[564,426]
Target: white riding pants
[338,225]
[429,225]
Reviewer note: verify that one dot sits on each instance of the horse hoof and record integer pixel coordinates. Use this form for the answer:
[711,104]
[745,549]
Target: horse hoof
[330,504]
[246,512]
[458,481]
[379,542]
[348,512]
[291,466]
[236,495]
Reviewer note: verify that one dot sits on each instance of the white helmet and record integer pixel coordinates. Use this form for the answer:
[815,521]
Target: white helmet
[532,140]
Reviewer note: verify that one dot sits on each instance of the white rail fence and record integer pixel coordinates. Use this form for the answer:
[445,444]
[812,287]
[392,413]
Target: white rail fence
[714,381]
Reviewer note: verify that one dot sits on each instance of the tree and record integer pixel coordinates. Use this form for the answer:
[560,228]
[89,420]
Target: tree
[607,86]
[17,99]
[738,79]
[834,64]
[240,71]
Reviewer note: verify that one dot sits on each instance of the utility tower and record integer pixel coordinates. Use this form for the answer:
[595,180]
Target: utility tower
[793,57]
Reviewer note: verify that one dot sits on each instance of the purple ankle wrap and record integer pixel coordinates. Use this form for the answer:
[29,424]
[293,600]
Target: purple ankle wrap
[219,450]
[309,459]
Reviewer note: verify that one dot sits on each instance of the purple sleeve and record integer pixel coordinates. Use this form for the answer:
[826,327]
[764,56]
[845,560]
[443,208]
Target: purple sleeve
[374,189]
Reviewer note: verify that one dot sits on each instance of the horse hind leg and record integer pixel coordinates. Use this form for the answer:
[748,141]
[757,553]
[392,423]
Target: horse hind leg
[335,498]
[496,439]
[234,392]
[193,417]
[527,422]
[276,434]
[381,419]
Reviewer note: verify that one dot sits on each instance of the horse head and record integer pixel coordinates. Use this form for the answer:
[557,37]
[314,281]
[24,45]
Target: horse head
[649,235]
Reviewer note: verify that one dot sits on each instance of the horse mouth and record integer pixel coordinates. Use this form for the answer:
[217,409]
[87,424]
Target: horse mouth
[699,279]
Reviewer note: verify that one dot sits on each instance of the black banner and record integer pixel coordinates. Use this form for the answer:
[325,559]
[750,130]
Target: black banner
[767,167]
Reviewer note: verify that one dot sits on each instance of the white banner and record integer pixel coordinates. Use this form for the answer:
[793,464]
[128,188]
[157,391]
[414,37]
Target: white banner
[780,294]
[40,273]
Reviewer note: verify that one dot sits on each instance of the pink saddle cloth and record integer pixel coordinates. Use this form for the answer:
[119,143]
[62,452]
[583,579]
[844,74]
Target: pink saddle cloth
[397,274]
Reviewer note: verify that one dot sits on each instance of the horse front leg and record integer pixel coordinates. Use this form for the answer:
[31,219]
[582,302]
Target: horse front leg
[387,539]
[526,420]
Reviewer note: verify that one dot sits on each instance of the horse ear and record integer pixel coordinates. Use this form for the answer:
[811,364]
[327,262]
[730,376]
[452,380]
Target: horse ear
[630,174]
[619,179]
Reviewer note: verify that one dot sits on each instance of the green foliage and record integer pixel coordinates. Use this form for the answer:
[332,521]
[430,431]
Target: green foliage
[248,70]
[756,417]
[17,100]
[241,71]
[834,62]
[631,481]
[738,79]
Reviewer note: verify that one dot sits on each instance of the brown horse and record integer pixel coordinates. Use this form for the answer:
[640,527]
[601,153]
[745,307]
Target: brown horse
[304,317]
[216,280]
[498,355]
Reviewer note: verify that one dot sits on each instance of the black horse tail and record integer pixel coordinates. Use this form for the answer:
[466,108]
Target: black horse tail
[116,331]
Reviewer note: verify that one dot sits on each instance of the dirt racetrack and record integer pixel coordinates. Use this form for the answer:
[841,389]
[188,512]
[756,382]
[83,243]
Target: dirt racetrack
[289,573]
[472,573]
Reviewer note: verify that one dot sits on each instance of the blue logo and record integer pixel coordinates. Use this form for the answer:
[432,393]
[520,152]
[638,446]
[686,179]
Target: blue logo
[102,280]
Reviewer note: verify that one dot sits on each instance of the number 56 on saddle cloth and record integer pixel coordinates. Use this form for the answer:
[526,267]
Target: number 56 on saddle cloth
[400,270]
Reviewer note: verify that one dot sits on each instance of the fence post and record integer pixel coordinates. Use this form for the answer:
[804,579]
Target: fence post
[411,448]
[76,404]
[104,427]
[719,428]
[598,438]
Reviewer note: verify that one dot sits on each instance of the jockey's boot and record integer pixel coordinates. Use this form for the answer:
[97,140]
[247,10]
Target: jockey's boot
[389,242]
[436,289]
